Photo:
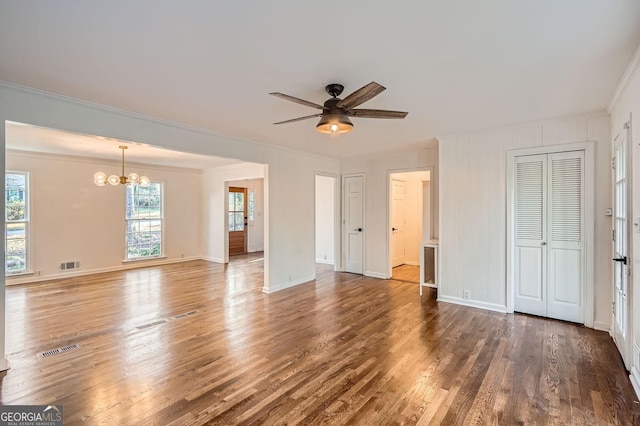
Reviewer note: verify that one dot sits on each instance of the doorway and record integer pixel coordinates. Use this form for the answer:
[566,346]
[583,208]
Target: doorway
[237,199]
[325,223]
[409,222]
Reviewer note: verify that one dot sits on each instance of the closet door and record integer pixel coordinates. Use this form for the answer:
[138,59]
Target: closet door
[549,233]
[530,234]
[565,272]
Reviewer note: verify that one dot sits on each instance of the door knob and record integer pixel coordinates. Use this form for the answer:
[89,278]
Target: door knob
[358,229]
[622,259]
[394,229]
[543,243]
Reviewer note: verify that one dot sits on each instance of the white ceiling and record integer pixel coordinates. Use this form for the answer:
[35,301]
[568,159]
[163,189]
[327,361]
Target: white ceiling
[454,65]
[23,137]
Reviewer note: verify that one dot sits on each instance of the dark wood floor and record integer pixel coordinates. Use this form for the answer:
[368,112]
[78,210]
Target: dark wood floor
[343,349]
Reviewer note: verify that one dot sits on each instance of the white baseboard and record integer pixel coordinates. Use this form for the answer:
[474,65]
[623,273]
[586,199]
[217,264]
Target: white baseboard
[412,263]
[325,261]
[375,275]
[289,284]
[79,273]
[212,259]
[474,304]
[602,326]
[4,364]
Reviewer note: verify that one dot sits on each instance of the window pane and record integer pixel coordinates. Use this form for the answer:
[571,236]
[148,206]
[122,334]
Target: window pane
[231,202]
[16,255]
[239,202]
[231,221]
[16,231]
[239,221]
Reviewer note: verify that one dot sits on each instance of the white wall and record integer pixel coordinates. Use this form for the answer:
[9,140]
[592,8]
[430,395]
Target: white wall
[72,219]
[255,230]
[376,170]
[624,107]
[473,208]
[325,219]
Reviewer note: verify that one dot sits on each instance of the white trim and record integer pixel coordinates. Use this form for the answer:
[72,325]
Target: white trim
[4,364]
[212,259]
[589,203]
[634,64]
[125,266]
[473,304]
[602,326]
[290,284]
[376,275]
[325,261]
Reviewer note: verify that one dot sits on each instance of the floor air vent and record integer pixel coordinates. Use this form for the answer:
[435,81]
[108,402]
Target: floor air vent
[186,314]
[151,324]
[59,351]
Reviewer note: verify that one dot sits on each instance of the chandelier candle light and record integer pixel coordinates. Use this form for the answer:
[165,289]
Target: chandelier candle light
[101,179]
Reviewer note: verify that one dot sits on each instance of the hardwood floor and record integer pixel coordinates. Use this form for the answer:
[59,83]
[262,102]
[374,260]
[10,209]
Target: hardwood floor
[408,273]
[344,349]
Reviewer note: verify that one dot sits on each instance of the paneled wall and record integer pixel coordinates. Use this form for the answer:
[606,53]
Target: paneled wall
[473,208]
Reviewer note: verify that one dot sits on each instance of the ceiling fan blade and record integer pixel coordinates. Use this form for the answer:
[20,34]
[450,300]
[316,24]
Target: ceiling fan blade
[376,113]
[298,119]
[361,95]
[296,100]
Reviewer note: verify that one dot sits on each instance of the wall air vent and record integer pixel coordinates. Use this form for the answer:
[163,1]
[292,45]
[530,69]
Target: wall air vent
[69,266]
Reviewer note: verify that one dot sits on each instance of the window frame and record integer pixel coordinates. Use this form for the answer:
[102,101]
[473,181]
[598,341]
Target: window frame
[126,257]
[27,223]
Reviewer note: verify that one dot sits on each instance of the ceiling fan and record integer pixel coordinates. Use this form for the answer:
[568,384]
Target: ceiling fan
[336,112]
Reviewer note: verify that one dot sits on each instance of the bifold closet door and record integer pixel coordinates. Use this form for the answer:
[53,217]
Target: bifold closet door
[549,235]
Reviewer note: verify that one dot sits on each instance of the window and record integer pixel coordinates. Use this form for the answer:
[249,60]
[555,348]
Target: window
[236,209]
[252,205]
[144,221]
[16,225]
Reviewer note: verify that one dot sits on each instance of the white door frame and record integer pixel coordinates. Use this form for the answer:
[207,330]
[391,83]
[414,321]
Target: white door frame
[429,169]
[588,299]
[337,223]
[341,223]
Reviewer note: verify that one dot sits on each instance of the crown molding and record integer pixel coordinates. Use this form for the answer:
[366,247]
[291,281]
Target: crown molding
[633,66]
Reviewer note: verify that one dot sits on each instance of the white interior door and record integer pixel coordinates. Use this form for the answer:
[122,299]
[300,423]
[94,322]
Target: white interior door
[620,247]
[353,213]
[549,232]
[398,221]
[565,240]
[530,294]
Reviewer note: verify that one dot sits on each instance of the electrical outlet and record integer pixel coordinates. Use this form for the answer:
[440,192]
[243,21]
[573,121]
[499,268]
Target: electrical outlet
[182,255]
[289,278]
[38,273]
[466,294]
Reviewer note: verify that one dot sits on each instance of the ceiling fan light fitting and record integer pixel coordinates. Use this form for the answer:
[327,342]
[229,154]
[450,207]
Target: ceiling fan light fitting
[333,124]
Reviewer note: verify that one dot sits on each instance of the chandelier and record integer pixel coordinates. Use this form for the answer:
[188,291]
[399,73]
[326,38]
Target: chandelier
[101,179]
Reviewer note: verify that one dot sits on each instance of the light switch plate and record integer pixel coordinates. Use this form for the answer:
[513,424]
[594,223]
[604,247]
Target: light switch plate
[608,212]
[636,224]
